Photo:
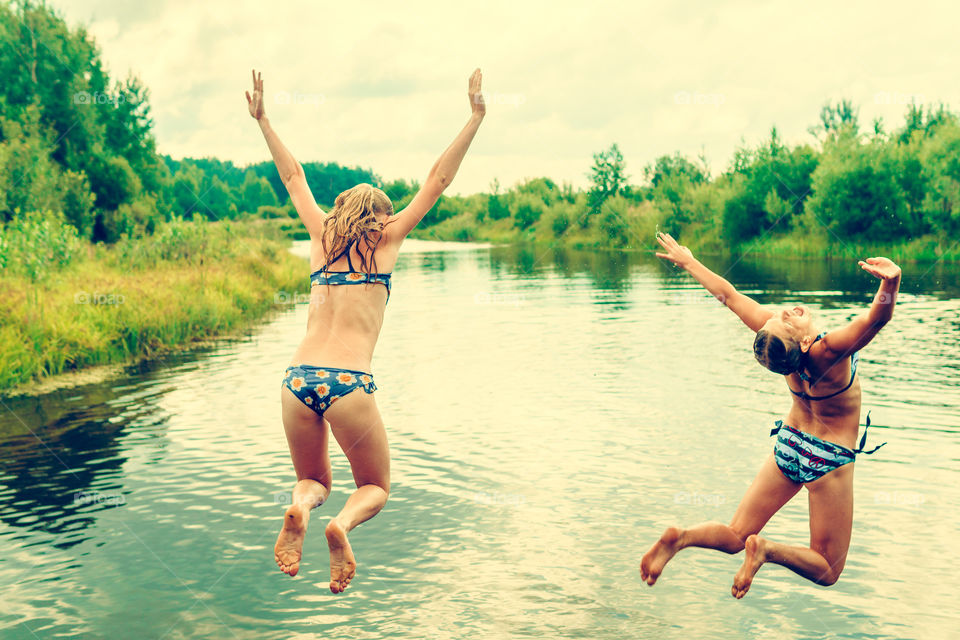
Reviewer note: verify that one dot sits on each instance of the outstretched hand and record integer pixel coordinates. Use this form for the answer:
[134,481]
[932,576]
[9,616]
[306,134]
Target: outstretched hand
[882,268]
[477,105]
[255,102]
[675,252]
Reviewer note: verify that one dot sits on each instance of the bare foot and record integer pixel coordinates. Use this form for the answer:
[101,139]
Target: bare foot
[343,566]
[289,545]
[653,561]
[755,547]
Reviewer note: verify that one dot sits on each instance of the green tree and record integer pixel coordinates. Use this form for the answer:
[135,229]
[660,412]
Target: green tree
[400,192]
[496,208]
[613,223]
[841,119]
[607,177]
[941,166]
[28,176]
[186,191]
[671,180]
[526,210]
[857,193]
[256,192]
[112,179]
[83,131]
[771,167]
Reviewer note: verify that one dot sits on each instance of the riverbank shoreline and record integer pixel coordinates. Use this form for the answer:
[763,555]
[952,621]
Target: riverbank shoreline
[925,249]
[93,319]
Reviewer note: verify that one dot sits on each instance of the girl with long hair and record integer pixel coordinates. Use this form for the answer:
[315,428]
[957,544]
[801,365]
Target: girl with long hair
[328,386]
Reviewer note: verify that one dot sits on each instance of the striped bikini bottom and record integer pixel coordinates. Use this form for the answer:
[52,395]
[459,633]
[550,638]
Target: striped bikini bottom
[803,457]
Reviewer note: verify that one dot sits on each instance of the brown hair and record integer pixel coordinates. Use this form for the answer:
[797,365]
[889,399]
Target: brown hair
[353,218]
[782,356]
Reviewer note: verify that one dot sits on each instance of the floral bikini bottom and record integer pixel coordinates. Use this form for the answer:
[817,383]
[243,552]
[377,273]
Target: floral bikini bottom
[320,387]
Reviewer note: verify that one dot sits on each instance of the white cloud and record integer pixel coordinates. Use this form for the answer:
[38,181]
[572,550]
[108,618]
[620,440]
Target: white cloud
[383,85]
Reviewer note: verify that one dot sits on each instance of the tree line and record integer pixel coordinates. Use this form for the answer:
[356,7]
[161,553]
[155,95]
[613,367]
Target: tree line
[846,185]
[78,147]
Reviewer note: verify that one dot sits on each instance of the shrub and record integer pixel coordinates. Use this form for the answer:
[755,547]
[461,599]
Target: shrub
[268,211]
[613,222]
[35,244]
[497,208]
[560,222]
[527,209]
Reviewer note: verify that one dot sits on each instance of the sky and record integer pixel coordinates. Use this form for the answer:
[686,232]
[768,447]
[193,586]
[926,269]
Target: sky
[383,85]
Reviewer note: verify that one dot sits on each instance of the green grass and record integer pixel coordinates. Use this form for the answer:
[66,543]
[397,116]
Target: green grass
[638,228]
[129,301]
[922,249]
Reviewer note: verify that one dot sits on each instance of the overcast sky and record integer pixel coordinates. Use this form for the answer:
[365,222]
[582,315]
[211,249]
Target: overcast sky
[383,85]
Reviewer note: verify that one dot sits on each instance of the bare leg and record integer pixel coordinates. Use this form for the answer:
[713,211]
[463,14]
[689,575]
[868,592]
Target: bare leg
[770,491]
[307,437]
[358,428]
[831,520]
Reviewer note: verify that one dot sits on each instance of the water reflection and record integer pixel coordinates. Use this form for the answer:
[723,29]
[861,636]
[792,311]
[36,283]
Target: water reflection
[549,410]
[61,461]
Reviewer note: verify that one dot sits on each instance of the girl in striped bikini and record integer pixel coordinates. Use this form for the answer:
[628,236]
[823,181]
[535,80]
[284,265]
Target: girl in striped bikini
[815,445]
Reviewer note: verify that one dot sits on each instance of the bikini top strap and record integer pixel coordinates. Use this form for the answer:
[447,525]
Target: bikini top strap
[863,440]
[345,252]
[335,258]
[349,261]
[777,428]
[803,375]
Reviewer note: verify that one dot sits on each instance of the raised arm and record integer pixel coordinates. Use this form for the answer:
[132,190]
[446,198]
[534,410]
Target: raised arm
[862,329]
[747,309]
[444,169]
[291,173]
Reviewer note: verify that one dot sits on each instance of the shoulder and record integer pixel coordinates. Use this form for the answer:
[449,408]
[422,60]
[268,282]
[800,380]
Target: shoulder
[828,350]
[392,235]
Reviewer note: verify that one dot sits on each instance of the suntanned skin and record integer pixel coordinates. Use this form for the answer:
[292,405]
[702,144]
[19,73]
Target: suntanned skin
[836,420]
[342,329]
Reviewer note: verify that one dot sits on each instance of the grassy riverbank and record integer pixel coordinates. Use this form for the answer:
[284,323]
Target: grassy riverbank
[190,282]
[627,226]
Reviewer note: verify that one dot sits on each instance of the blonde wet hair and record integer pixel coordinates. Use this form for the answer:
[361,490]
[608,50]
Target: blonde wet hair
[354,218]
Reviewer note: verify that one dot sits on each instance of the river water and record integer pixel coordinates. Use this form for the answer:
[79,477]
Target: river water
[549,412]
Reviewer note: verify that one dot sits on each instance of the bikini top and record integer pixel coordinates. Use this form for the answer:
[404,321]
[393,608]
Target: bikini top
[803,376]
[324,276]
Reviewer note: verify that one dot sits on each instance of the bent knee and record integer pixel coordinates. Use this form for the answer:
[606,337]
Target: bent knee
[831,578]
[828,580]
[324,478]
[741,534]
[383,485]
